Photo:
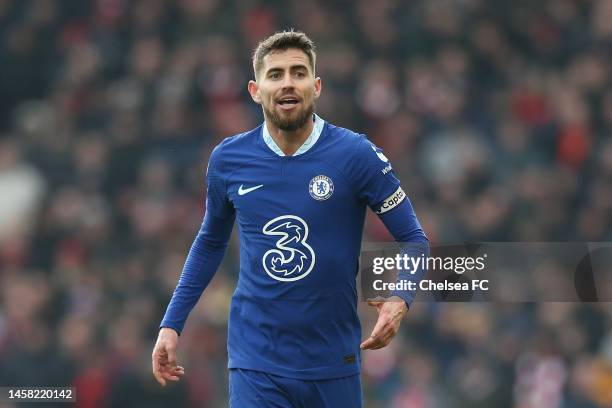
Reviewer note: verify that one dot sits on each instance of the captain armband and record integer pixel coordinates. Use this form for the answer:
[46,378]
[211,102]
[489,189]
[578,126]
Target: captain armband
[392,201]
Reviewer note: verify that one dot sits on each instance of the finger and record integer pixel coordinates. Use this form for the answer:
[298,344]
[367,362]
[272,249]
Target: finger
[368,344]
[170,377]
[382,342]
[173,374]
[385,337]
[381,335]
[371,343]
[380,323]
[171,356]
[379,327]
[376,304]
[178,372]
[157,373]
[374,344]
[172,371]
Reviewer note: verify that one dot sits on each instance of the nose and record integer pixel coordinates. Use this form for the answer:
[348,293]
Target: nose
[287,81]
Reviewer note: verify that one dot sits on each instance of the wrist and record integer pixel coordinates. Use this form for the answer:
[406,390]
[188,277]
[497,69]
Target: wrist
[168,331]
[402,304]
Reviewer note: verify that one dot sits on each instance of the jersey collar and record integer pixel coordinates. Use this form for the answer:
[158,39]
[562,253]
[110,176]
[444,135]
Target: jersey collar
[310,141]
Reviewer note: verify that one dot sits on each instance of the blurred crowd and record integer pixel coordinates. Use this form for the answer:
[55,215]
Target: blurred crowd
[496,115]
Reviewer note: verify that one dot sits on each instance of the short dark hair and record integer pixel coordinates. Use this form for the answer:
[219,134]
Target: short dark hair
[282,41]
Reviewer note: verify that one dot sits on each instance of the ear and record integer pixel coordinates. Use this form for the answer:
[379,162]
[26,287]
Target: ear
[254,91]
[317,87]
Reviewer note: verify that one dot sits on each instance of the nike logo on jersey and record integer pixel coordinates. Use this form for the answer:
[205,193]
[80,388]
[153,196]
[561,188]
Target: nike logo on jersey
[243,191]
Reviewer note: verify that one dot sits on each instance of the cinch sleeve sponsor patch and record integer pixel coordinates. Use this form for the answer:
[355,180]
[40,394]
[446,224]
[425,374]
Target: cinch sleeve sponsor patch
[392,201]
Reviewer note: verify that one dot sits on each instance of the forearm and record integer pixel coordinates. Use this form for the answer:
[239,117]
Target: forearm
[403,224]
[200,266]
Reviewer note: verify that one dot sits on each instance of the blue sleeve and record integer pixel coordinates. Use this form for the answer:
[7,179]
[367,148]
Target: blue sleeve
[206,251]
[403,224]
[371,173]
[378,186]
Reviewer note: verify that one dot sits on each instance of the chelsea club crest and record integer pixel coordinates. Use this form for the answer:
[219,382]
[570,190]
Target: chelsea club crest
[321,188]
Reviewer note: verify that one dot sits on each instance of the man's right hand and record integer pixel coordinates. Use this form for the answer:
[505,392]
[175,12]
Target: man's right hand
[164,357]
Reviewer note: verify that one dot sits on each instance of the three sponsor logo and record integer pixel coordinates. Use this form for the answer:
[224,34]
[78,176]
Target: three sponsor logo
[292,258]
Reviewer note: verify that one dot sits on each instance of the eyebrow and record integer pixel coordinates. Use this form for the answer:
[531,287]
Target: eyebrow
[291,68]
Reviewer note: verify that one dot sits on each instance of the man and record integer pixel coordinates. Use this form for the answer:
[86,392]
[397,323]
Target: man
[299,188]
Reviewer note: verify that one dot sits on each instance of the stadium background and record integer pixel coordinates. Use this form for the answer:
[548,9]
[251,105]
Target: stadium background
[495,114]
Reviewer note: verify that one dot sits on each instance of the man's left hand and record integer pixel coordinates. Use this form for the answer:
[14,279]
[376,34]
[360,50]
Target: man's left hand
[390,314]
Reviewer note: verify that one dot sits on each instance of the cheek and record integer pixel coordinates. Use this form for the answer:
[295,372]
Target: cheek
[266,95]
[308,92]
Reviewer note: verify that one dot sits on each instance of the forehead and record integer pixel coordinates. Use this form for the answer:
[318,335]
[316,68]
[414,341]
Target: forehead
[285,58]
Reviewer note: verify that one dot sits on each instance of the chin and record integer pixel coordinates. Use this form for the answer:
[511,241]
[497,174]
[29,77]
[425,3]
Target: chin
[290,121]
[289,126]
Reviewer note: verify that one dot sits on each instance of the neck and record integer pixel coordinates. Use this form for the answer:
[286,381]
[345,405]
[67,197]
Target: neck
[290,141]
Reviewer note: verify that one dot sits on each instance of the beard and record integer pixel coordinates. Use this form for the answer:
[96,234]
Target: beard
[292,121]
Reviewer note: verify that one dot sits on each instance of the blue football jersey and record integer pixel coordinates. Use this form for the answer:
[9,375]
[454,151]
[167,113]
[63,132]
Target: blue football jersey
[300,221]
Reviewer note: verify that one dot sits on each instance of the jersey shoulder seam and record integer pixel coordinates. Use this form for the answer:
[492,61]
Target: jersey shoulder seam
[219,148]
[241,165]
[353,153]
[223,144]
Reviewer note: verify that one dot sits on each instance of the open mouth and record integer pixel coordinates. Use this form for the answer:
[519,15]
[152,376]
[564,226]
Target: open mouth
[288,102]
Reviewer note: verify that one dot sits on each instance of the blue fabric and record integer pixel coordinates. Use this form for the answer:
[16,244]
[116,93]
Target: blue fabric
[254,389]
[413,243]
[300,222]
[204,257]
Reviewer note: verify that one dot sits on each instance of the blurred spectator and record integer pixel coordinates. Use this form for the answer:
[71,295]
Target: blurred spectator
[496,116]
[22,189]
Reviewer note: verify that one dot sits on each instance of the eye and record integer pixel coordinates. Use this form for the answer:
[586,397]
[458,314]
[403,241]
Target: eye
[275,75]
[300,74]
